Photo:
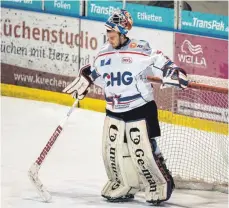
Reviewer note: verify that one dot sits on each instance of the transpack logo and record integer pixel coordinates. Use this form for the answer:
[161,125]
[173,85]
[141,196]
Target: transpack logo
[106,10]
[192,54]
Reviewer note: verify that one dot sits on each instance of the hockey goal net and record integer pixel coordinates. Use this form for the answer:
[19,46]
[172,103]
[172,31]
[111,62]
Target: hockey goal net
[194,128]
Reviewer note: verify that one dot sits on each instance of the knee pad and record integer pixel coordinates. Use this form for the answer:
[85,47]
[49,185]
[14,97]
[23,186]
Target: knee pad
[155,179]
[123,178]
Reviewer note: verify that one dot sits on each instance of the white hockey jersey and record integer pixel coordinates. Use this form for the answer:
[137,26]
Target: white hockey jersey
[122,74]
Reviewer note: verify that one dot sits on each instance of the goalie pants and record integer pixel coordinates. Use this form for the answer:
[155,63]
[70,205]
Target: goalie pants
[147,112]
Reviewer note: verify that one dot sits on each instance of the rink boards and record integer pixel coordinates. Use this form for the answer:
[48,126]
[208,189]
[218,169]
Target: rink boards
[99,105]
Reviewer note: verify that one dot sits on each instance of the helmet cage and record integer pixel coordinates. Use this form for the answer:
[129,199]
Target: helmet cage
[120,21]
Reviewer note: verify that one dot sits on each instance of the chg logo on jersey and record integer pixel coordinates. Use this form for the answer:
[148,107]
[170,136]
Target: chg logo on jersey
[118,78]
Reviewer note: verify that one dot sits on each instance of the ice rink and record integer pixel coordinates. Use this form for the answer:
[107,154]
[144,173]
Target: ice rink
[73,172]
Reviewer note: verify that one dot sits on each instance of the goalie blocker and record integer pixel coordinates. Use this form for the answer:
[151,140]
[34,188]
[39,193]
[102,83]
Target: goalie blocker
[131,157]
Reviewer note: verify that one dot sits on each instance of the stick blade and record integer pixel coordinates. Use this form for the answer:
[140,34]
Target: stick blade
[33,176]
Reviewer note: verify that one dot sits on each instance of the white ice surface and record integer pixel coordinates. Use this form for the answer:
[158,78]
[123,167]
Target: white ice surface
[73,171]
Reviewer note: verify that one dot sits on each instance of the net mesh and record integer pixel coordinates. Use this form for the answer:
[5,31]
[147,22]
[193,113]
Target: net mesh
[194,128]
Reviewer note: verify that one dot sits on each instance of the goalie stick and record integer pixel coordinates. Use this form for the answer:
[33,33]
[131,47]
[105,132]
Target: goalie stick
[33,171]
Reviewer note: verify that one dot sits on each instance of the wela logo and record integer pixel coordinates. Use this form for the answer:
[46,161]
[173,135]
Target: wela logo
[118,78]
[192,54]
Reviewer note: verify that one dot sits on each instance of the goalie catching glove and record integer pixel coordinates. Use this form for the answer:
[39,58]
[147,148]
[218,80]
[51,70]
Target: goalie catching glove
[174,77]
[78,88]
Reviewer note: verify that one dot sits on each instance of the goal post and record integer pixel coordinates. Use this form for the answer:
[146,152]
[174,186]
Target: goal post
[194,134]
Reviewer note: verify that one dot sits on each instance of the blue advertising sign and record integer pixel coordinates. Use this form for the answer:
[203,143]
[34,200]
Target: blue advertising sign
[143,15]
[151,16]
[101,10]
[23,4]
[207,24]
[62,7]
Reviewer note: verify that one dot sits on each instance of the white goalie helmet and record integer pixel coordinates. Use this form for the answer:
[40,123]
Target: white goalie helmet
[120,21]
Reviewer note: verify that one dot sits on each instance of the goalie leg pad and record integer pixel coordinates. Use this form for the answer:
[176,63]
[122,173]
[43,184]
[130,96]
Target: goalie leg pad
[156,181]
[123,179]
[167,175]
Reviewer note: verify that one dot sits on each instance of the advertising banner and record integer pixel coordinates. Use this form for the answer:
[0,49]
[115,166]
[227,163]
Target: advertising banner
[150,16]
[21,76]
[201,55]
[208,24]
[101,10]
[23,4]
[37,47]
[206,60]
[202,111]
[143,15]
[66,8]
